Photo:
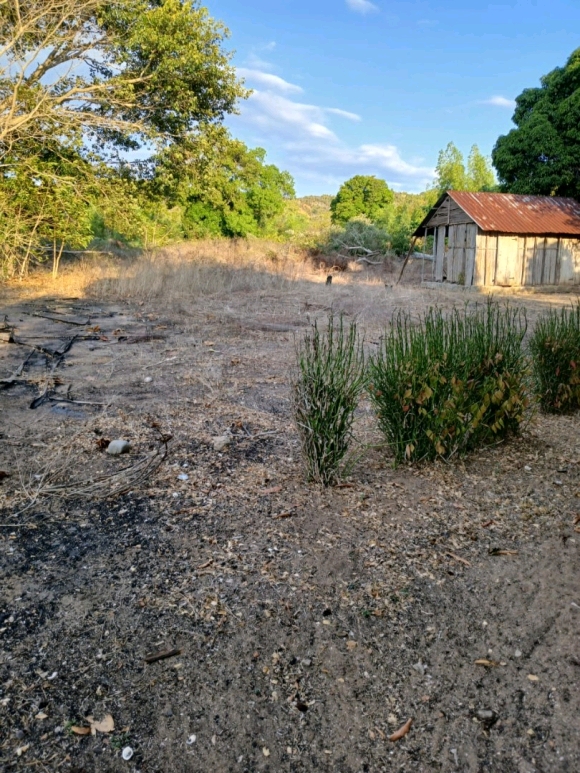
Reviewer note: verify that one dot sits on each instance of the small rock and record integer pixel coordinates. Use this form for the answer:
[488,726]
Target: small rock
[183,476]
[518,653]
[420,668]
[527,468]
[486,716]
[127,753]
[148,380]
[221,442]
[191,740]
[306,662]
[118,447]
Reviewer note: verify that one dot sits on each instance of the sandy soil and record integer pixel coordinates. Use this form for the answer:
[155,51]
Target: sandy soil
[311,624]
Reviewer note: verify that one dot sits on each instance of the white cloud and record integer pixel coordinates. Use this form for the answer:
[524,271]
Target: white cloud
[499,101]
[268,80]
[269,46]
[300,136]
[343,113]
[286,119]
[256,62]
[362,6]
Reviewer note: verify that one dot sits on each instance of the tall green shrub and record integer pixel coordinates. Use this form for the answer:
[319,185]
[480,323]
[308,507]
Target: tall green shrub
[450,383]
[555,349]
[326,389]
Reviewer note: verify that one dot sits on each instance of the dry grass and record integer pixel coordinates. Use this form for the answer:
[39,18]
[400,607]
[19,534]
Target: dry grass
[187,270]
[204,268]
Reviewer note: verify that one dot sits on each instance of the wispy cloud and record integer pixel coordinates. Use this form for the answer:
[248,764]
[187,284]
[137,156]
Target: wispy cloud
[255,61]
[362,6]
[343,113]
[268,80]
[285,119]
[308,146]
[499,101]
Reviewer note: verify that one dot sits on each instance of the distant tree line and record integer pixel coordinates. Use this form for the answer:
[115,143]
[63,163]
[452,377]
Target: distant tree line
[111,127]
[365,210]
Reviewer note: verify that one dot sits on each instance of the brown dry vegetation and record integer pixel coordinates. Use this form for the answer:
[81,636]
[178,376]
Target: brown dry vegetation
[311,623]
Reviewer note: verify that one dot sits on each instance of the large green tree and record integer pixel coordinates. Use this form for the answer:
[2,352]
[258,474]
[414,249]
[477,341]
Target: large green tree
[224,187]
[83,81]
[451,172]
[361,195]
[124,73]
[542,154]
[480,174]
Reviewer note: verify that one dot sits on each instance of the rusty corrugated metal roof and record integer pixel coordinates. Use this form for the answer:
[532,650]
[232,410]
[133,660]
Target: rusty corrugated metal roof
[517,214]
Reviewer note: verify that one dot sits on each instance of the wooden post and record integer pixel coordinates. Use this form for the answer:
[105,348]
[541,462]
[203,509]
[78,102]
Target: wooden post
[411,249]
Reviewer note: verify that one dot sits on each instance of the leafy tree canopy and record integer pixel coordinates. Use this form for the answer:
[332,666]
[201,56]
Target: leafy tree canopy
[226,188]
[361,195]
[542,154]
[123,74]
[84,81]
[451,172]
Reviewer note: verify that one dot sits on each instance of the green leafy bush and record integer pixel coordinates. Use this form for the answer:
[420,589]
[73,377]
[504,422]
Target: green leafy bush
[450,383]
[329,381]
[555,349]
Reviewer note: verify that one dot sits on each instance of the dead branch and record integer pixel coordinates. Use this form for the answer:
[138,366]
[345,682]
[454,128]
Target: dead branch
[369,262]
[65,320]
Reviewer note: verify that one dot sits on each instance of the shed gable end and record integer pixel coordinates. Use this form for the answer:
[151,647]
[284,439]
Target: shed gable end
[448,213]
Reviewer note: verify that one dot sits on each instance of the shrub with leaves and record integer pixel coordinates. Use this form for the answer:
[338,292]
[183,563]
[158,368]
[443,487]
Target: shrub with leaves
[329,381]
[555,349]
[450,383]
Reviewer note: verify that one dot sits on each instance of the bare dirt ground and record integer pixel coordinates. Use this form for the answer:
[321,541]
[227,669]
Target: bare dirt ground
[311,624]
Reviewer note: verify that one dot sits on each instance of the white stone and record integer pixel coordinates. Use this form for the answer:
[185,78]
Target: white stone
[221,442]
[118,447]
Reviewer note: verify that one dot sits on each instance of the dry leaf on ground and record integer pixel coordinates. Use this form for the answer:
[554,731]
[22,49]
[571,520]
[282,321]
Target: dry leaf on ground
[402,731]
[78,730]
[105,725]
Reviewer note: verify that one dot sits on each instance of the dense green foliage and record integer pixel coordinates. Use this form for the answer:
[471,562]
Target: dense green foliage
[555,349]
[84,81]
[326,391]
[232,193]
[403,217]
[397,215]
[451,173]
[361,195]
[542,154]
[125,74]
[451,383]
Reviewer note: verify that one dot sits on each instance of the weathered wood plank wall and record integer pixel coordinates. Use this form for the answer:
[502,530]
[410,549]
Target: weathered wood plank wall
[512,261]
[465,254]
[440,253]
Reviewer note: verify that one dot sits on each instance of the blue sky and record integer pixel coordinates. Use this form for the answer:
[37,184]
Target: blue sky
[344,87]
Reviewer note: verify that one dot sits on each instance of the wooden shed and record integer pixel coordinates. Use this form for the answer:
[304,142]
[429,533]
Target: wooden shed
[504,239]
